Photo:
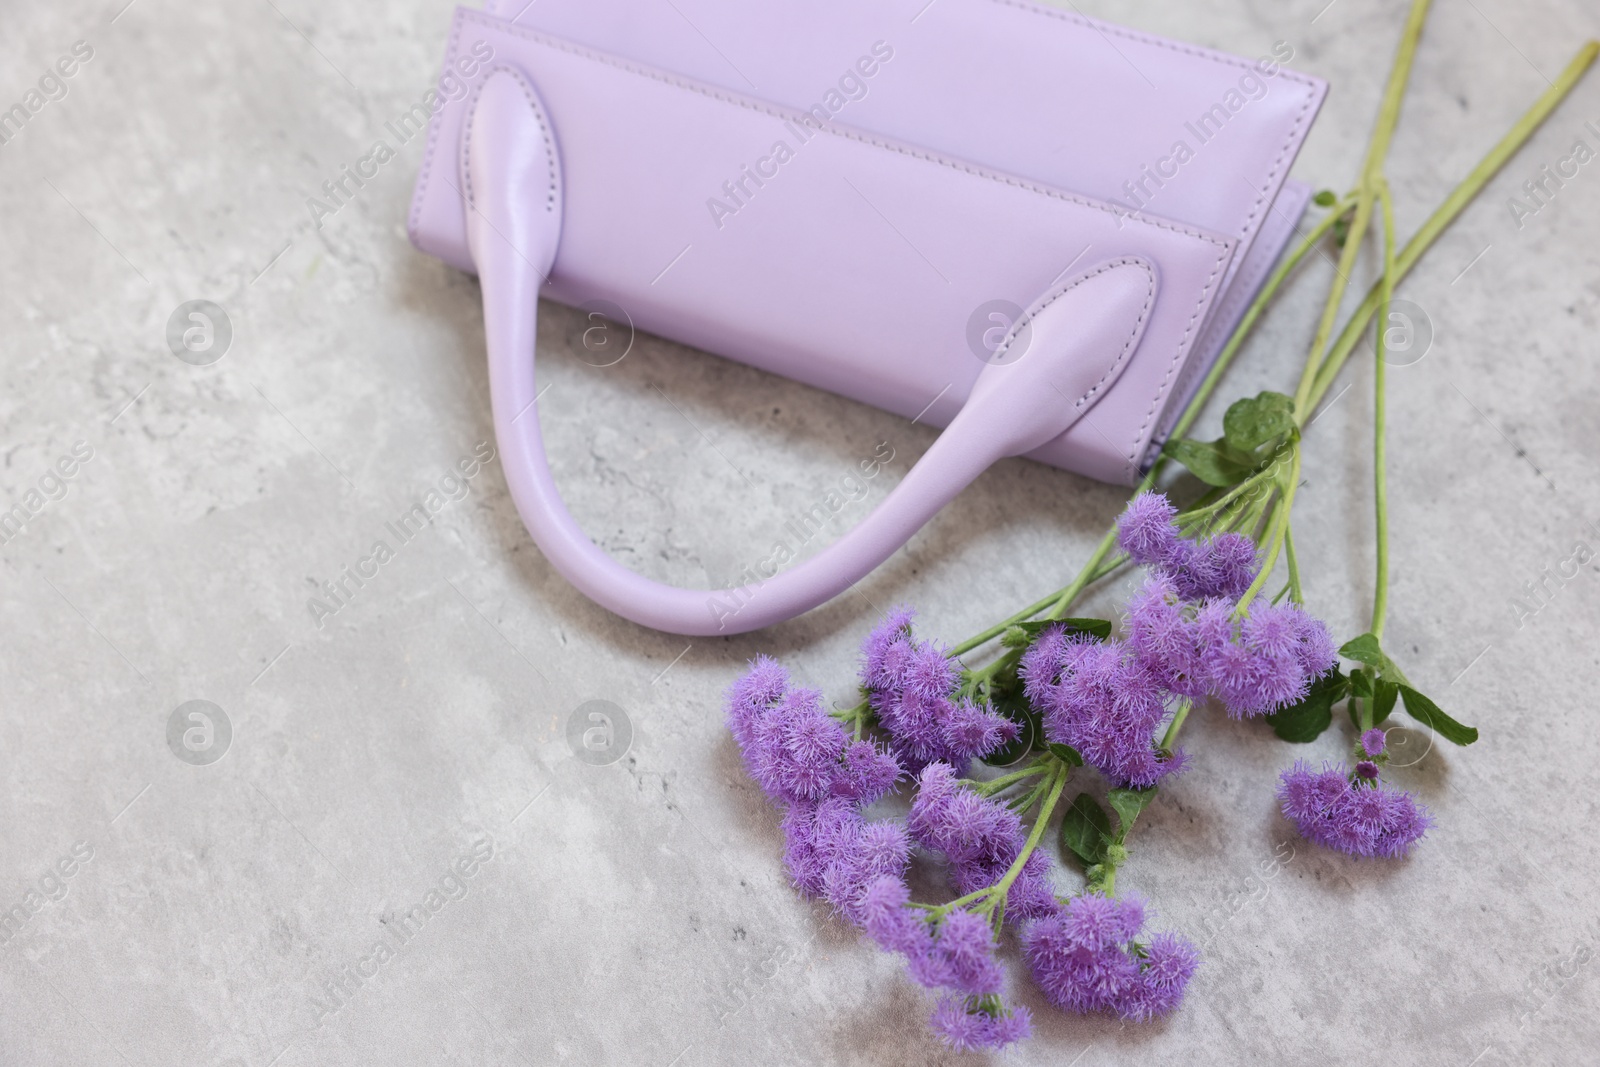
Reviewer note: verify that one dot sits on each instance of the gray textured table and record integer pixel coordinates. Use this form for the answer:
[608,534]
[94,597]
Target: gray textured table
[410,748]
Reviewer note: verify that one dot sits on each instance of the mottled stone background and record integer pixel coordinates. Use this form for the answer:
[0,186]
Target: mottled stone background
[637,912]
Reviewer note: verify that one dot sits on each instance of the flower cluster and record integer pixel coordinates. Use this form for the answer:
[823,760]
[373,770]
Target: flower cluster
[1261,663]
[1086,958]
[1106,699]
[980,838]
[913,689]
[794,749]
[1218,567]
[805,761]
[1352,813]
[1185,638]
[1182,625]
[1102,701]
[952,951]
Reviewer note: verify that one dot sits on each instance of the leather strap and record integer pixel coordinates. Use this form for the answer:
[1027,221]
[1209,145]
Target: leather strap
[1083,332]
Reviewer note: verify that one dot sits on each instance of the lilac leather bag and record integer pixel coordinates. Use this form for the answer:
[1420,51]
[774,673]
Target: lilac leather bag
[1031,228]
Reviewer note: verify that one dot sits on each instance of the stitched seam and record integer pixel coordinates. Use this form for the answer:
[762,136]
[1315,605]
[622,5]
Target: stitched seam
[1133,335]
[1190,50]
[1242,284]
[434,124]
[765,107]
[538,113]
[1166,379]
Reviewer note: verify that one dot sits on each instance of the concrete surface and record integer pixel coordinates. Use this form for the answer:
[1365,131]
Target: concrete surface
[636,912]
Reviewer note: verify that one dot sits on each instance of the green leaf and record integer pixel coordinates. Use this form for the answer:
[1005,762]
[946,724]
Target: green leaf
[1065,753]
[1326,198]
[1428,714]
[1383,698]
[1306,720]
[1365,649]
[1254,421]
[1361,683]
[1100,628]
[1128,803]
[1213,462]
[1085,830]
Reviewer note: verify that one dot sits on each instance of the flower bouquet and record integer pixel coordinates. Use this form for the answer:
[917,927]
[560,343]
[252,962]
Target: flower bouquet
[981,739]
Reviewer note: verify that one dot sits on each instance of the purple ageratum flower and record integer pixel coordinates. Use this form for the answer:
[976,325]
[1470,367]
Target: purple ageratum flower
[1362,819]
[1169,962]
[794,749]
[912,687]
[1103,701]
[955,954]
[1257,665]
[1373,742]
[1085,958]
[1175,638]
[965,1025]
[833,853]
[1222,566]
[981,838]
[1145,530]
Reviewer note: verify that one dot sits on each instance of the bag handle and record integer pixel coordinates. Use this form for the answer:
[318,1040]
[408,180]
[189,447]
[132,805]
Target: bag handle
[1083,332]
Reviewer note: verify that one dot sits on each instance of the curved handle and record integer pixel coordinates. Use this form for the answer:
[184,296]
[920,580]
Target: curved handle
[1082,333]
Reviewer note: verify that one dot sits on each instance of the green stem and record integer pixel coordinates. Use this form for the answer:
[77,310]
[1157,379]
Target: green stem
[1257,307]
[1447,212]
[1366,193]
[1363,715]
[1023,804]
[995,904]
[994,785]
[1170,738]
[1380,489]
[1329,368]
[1277,528]
[1070,593]
[1295,593]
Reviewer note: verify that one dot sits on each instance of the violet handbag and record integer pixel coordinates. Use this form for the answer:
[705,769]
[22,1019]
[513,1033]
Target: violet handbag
[1031,228]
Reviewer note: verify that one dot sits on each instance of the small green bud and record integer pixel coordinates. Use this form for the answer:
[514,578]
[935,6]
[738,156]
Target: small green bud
[1015,637]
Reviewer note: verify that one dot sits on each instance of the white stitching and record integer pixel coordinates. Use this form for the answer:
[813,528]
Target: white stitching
[538,113]
[765,107]
[1133,335]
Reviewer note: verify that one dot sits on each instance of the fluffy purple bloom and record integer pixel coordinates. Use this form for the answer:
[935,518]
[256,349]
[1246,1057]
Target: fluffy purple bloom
[1176,640]
[794,749]
[1256,665]
[1085,957]
[1361,818]
[1170,961]
[1221,566]
[835,854]
[1103,701]
[956,954]
[981,838]
[913,690]
[966,1026]
[1145,530]
[1373,742]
